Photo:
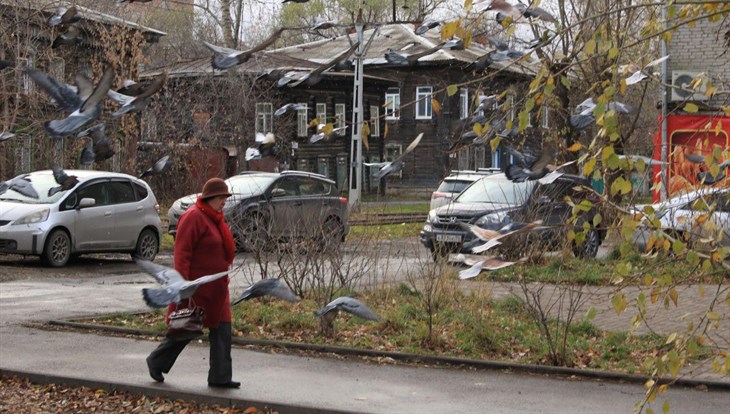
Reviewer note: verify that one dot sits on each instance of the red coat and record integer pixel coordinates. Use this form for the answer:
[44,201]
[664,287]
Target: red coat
[198,252]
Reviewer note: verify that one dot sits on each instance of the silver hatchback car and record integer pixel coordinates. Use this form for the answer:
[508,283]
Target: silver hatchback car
[103,212]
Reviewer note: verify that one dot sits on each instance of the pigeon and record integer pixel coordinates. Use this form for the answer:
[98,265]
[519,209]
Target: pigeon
[138,102]
[498,44]
[21,185]
[87,156]
[498,56]
[6,135]
[695,158]
[647,160]
[264,145]
[581,122]
[225,58]
[528,167]
[535,12]
[6,64]
[64,16]
[427,25]
[486,103]
[84,105]
[65,181]
[314,75]
[290,106]
[268,287]
[395,165]
[501,5]
[322,133]
[349,305]
[71,37]
[641,74]
[159,167]
[396,58]
[102,148]
[175,287]
[494,238]
[323,24]
[454,44]
[132,88]
[586,107]
[486,264]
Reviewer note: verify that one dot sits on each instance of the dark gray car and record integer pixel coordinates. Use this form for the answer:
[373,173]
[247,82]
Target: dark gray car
[266,208]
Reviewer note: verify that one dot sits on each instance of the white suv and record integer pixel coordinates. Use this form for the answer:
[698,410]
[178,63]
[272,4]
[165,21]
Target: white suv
[103,212]
[457,181]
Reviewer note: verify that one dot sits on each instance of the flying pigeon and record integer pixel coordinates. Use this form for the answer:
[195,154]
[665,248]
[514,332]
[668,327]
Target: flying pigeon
[581,122]
[136,102]
[528,167]
[6,135]
[321,134]
[175,287]
[586,107]
[290,106]
[225,58]
[498,44]
[695,158]
[479,265]
[498,56]
[313,76]
[323,24]
[268,287]
[486,103]
[85,105]
[396,165]
[159,167]
[641,74]
[64,16]
[264,145]
[87,156]
[706,177]
[20,184]
[72,36]
[349,305]
[65,181]
[647,160]
[396,58]
[501,5]
[102,148]
[535,12]
[494,238]
[427,25]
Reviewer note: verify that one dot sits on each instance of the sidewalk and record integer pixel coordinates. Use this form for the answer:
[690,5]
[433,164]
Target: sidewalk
[304,383]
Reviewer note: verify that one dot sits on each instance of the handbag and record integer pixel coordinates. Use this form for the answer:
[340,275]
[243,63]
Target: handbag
[186,323]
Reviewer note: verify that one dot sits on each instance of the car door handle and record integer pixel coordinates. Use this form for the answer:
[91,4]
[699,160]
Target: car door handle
[107,213]
[298,203]
[140,208]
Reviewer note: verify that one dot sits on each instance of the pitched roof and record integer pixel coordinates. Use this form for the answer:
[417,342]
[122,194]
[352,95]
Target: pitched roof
[49,8]
[401,39]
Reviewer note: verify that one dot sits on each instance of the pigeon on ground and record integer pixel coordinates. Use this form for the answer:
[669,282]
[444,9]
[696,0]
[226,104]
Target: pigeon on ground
[137,102]
[289,107]
[20,184]
[84,105]
[102,147]
[6,135]
[479,265]
[64,16]
[71,37]
[225,58]
[349,305]
[175,287]
[268,287]
[160,166]
[395,165]
[65,181]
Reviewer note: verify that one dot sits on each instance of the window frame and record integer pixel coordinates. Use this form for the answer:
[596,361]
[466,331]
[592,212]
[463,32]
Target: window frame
[390,157]
[321,112]
[264,117]
[545,118]
[340,114]
[374,121]
[302,124]
[423,102]
[463,103]
[392,104]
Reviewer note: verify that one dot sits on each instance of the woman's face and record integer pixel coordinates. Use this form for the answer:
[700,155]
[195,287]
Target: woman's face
[217,203]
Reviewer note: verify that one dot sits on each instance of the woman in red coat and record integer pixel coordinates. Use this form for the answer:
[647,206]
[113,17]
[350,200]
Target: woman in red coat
[204,245]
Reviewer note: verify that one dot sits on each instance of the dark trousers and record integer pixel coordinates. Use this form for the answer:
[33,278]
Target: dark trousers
[220,372]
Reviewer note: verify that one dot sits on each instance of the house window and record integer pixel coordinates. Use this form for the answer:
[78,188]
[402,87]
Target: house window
[149,126]
[480,157]
[24,77]
[511,100]
[322,113]
[545,117]
[463,159]
[264,117]
[302,124]
[423,102]
[374,121]
[464,103]
[340,118]
[393,151]
[497,158]
[392,103]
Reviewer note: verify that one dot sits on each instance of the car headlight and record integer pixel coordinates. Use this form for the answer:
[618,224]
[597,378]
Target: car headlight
[35,217]
[491,219]
[431,216]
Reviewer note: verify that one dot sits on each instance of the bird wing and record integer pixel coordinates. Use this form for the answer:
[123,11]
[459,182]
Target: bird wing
[471,272]
[410,147]
[486,246]
[376,164]
[204,279]
[58,174]
[84,85]
[120,98]
[66,97]
[357,308]
[160,297]
[153,87]
[163,274]
[482,234]
[222,50]
[23,186]
[100,91]
[266,43]
[414,57]
[547,157]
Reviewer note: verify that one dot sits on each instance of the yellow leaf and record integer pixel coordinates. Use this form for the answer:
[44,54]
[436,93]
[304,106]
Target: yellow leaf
[467,39]
[718,127]
[467,5]
[673,295]
[619,303]
[313,123]
[448,29]
[589,166]
[713,316]
[691,108]
[451,90]
[388,103]
[385,131]
[365,142]
[477,128]
[435,105]
[365,128]
[575,147]
[590,47]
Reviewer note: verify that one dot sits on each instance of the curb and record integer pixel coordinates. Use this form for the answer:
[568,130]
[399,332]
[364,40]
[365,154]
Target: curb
[210,399]
[434,360]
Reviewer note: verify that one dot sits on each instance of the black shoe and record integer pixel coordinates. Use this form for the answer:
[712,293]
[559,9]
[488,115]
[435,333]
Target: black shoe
[155,373]
[229,384]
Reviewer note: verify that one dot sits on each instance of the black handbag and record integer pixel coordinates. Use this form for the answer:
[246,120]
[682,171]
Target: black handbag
[186,323]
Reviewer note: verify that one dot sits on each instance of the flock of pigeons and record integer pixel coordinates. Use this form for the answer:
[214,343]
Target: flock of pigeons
[83,102]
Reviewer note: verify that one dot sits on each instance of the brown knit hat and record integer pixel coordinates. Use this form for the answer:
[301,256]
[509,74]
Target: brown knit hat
[215,187]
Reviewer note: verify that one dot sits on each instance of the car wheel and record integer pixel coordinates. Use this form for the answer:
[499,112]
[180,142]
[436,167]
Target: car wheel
[589,248]
[147,245]
[252,234]
[57,250]
[439,252]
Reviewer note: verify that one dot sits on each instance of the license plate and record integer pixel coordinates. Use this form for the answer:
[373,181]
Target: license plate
[448,238]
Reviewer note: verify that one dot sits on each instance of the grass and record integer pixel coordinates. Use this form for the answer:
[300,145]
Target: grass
[468,325]
[397,208]
[386,231]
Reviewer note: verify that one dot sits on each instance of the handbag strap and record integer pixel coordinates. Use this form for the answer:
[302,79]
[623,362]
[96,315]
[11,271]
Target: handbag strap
[191,304]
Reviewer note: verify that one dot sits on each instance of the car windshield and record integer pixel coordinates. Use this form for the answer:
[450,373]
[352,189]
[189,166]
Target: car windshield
[496,190]
[248,185]
[453,186]
[41,183]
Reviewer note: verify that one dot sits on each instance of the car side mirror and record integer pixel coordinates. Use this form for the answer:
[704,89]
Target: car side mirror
[86,202]
[278,192]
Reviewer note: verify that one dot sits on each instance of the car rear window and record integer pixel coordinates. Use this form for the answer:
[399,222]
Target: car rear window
[453,186]
[141,191]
